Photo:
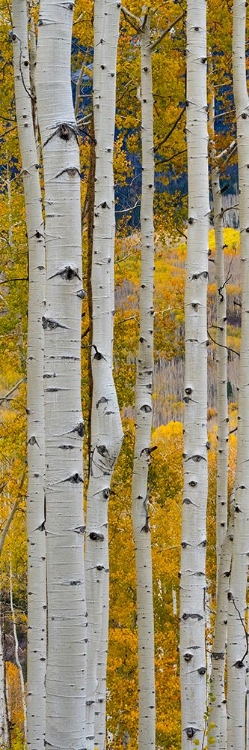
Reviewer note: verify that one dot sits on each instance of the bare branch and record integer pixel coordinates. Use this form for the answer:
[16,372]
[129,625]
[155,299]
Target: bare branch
[5,398]
[228,150]
[166,31]
[228,348]
[129,16]
[11,515]
[78,85]
[170,131]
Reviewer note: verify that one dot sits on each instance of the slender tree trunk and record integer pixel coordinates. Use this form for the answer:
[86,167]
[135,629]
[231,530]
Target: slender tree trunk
[100,707]
[221,353]
[217,729]
[192,614]
[143,414]
[4,734]
[237,638]
[66,659]
[17,660]
[217,719]
[106,429]
[36,656]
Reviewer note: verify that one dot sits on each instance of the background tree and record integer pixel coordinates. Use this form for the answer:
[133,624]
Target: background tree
[237,638]
[106,428]
[25,106]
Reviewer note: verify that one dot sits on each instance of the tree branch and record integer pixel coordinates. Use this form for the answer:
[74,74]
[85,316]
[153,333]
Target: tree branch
[228,348]
[11,515]
[170,131]
[128,17]
[5,398]
[166,31]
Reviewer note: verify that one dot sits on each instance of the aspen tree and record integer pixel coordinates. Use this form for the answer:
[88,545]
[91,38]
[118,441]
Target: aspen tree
[4,735]
[36,647]
[17,660]
[66,615]
[143,398]
[221,354]
[192,604]
[143,412]
[106,428]
[217,720]
[217,703]
[237,643]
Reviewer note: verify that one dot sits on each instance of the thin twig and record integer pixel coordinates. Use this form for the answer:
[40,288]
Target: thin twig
[12,513]
[5,398]
[170,131]
[158,41]
[228,348]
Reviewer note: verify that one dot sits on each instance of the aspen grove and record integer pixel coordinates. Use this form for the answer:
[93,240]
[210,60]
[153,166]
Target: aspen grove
[124,381]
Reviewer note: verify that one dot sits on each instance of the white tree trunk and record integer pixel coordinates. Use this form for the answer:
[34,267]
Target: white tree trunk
[17,660]
[66,660]
[237,640]
[4,735]
[221,353]
[192,614]
[100,706]
[217,717]
[106,428]
[36,649]
[143,414]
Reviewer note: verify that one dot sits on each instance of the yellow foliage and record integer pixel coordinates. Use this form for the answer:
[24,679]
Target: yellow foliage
[15,706]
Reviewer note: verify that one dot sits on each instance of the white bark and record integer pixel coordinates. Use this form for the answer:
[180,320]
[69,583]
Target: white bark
[36,649]
[221,353]
[106,429]
[237,639]
[217,715]
[143,414]
[100,706]
[192,614]
[17,660]
[4,735]
[66,660]
[217,718]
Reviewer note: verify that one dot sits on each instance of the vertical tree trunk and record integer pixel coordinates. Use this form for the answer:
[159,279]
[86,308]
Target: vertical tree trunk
[143,413]
[17,660]
[217,719]
[192,615]
[36,649]
[4,734]
[221,353]
[106,429]
[217,702]
[237,639]
[66,660]
[100,707]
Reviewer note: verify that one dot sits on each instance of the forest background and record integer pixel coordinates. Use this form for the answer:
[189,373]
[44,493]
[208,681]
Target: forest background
[165,473]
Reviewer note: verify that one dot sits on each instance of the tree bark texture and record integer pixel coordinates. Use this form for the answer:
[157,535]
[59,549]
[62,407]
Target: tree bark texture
[106,428]
[36,648]
[143,414]
[221,353]
[66,617]
[237,637]
[192,604]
